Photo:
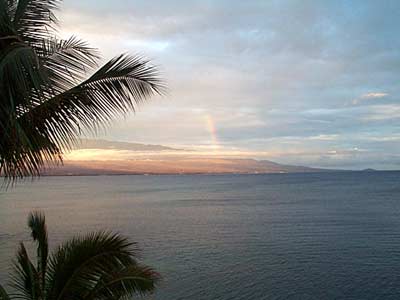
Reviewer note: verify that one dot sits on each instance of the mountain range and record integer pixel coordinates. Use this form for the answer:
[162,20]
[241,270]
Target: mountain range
[178,161]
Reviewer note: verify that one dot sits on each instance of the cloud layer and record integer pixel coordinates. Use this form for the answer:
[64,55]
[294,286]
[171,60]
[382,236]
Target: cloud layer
[311,82]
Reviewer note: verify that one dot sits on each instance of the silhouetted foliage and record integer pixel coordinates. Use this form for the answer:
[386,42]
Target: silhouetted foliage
[45,97]
[97,266]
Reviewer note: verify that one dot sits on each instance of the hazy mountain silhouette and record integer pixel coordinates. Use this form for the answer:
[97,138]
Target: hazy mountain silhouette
[180,162]
[176,166]
[161,161]
[109,145]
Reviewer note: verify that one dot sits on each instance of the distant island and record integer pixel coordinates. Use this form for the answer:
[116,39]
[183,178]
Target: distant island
[177,166]
[101,157]
[93,157]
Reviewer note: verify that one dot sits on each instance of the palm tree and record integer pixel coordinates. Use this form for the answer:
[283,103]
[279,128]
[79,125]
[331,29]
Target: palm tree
[96,266]
[46,98]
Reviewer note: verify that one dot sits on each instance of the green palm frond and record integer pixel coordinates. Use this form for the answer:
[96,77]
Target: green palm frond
[25,280]
[3,294]
[6,28]
[37,224]
[96,266]
[77,265]
[127,282]
[20,77]
[27,157]
[116,88]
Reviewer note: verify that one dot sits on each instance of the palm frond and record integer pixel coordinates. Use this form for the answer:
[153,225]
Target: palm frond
[67,62]
[25,152]
[25,279]
[37,224]
[117,87]
[6,28]
[96,266]
[125,283]
[76,266]
[34,20]
[3,294]
[20,75]
[45,101]
[27,155]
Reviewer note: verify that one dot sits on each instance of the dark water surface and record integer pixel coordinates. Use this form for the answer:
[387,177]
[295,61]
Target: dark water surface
[283,236]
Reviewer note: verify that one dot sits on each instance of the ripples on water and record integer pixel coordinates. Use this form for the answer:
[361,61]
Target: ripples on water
[283,236]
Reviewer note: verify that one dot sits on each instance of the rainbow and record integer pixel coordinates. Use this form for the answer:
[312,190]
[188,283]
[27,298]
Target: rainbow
[210,126]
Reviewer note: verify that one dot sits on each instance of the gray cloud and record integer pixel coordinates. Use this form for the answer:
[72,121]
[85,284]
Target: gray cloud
[271,74]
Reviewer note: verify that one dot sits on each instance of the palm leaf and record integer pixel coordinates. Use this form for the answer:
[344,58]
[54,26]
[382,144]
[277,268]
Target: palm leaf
[26,158]
[6,28]
[45,101]
[34,20]
[20,75]
[96,266]
[124,283]
[37,224]
[24,151]
[76,266]
[117,87]
[25,279]
[67,62]
[3,294]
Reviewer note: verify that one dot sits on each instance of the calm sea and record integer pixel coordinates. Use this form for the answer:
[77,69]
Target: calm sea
[283,236]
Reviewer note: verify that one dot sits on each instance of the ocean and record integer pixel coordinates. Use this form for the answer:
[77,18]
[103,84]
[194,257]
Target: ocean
[250,237]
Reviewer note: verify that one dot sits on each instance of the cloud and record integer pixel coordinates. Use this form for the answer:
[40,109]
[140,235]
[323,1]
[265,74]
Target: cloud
[374,95]
[369,96]
[383,113]
[272,74]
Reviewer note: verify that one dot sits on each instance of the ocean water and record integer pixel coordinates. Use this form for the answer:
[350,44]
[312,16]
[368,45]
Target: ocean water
[282,236]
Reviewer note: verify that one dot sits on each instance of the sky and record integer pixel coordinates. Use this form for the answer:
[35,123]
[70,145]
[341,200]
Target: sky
[299,82]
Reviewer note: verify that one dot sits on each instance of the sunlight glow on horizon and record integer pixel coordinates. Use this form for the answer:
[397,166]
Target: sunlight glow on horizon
[117,155]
